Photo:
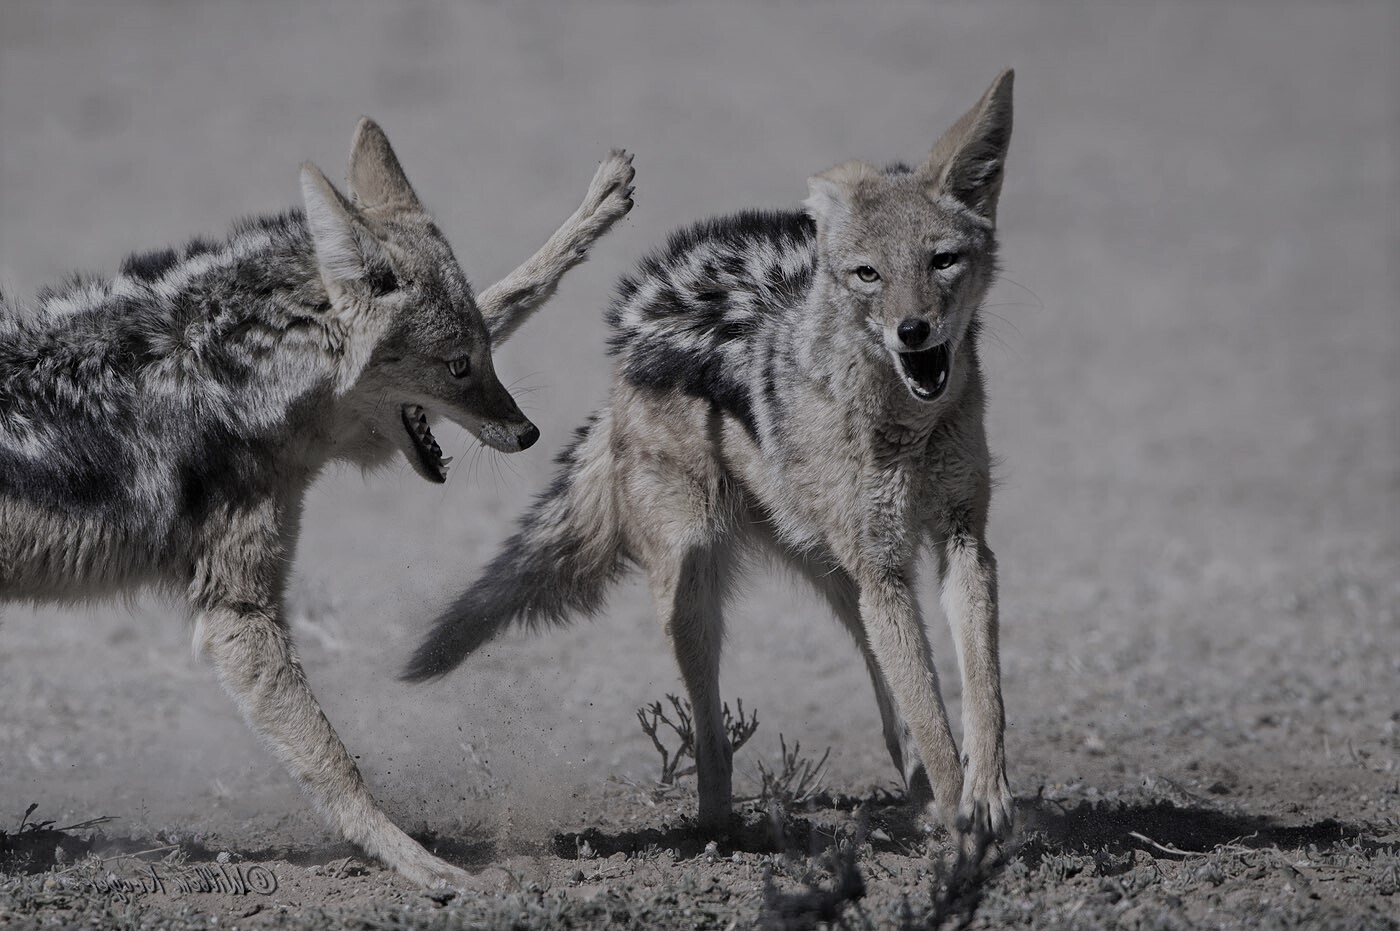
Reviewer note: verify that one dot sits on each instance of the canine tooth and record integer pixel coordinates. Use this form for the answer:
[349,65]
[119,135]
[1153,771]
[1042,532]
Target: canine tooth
[445,461]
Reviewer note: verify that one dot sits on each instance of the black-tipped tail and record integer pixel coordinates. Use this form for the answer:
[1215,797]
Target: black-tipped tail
[559,563]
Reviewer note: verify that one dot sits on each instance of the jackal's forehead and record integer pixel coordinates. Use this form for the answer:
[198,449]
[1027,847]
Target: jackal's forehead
[440,307]
[898,212]
[908,202]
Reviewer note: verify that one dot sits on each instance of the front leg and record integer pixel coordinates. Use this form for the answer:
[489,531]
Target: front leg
[237,593]
[890,616]
[509,302]
[968,573]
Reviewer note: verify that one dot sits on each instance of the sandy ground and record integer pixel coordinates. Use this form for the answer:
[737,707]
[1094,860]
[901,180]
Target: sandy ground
[1194,364]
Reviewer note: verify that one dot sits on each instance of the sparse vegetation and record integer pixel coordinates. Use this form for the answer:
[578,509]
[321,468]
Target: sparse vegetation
[796,781]
[845,862]
[820,899]
[680,721]
[957,886]
[37,845]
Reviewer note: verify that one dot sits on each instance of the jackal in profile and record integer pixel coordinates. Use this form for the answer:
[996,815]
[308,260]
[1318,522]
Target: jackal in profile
[806,382]
[160,428]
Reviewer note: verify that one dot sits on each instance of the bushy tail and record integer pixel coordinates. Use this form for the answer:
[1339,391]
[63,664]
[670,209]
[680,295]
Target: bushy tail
[565,551]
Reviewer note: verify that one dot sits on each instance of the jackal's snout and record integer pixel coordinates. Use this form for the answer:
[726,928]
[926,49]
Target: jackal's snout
[923,355]
[913,332]
[508,437]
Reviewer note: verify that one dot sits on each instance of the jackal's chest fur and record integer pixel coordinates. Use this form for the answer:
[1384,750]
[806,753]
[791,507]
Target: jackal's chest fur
[840,482]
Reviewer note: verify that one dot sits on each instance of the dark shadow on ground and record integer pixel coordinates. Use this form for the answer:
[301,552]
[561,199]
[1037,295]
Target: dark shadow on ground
[1090,827]
[39,847]
[1044,827]
[754,829]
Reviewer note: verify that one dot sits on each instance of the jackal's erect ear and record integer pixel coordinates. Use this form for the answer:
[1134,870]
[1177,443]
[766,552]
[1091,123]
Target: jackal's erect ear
[377,181]
[345,245]
[970,159]
[830,193]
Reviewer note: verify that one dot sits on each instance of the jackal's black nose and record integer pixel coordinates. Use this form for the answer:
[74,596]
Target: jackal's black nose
[913,331]
[528,437]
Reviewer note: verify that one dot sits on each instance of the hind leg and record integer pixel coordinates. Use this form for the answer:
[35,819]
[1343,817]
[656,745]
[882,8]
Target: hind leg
[688,588]
[678,525]
[509,302]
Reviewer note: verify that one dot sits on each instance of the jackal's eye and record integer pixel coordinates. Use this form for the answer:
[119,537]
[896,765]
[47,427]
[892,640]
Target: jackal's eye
[942,260]
[459,368]
[867,274]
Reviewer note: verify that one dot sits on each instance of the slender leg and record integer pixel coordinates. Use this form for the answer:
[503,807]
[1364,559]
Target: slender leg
[968,573]
[677,516]
[689,592]
[509,302]
[839,589]
[252,653]
[890,616]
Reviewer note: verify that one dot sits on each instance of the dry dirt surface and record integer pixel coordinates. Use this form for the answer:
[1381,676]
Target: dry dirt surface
[1194,364]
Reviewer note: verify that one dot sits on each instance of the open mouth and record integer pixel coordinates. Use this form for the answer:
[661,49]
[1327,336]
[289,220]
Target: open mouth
[415,421]
[926,371]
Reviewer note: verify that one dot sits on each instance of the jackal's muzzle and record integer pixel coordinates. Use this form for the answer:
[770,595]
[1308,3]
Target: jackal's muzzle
[926,372]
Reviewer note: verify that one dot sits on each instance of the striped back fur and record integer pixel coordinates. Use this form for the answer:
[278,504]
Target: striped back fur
[684,321]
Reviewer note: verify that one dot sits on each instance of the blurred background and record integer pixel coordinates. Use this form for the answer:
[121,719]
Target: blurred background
[1193,360]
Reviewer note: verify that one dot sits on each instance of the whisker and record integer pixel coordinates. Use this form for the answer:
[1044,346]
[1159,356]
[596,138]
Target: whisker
[1039,304]
[475,464]
[992,332]
[1006,320]
[511,386]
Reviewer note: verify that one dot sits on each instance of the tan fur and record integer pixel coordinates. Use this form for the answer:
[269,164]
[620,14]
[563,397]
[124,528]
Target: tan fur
[808,384]
[229,556]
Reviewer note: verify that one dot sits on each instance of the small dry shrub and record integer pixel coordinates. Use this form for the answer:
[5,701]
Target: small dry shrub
[681,722]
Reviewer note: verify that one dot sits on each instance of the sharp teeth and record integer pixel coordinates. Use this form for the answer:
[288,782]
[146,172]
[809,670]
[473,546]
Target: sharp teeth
[445,462]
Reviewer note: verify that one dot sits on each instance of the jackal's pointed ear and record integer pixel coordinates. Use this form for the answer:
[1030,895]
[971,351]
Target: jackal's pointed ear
[377,181]
[970,159]
[345,247]
[830,193]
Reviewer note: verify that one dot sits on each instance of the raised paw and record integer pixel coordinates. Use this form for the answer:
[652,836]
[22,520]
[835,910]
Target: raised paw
[609,195]
[987,808]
